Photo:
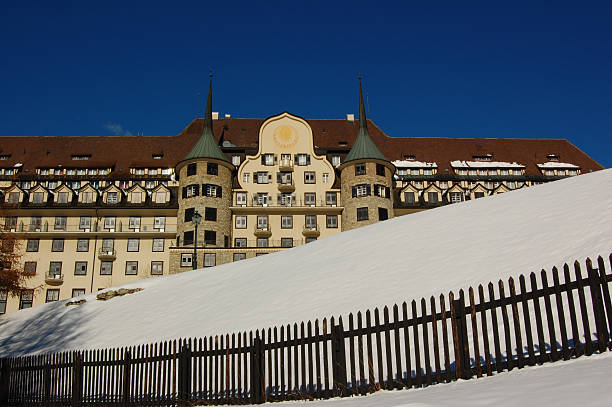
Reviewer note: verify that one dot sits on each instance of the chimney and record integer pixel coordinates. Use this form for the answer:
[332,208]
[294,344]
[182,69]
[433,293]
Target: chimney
[215,115]
[350,117]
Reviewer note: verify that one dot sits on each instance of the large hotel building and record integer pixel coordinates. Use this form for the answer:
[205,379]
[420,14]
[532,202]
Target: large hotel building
[96,212]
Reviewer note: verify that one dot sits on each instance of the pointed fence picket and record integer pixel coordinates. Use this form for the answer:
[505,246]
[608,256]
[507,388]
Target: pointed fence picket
[473,333]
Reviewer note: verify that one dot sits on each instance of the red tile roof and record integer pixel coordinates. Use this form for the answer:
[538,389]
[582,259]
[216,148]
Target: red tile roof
[123,152]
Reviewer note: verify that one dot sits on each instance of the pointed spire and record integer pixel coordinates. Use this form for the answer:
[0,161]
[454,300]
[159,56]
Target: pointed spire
[363,147]
[207,147]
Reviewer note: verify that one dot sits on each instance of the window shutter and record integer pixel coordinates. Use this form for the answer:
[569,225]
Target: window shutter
[278,177]
[354,191]
[368,189]
[219,191]
[387,192]
[307,159]
[184,192]
[295,158]
[269,177]
[275,158]
[197,190]
[263,159]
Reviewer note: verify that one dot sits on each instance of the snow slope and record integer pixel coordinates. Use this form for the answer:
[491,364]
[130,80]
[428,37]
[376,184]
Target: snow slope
[581,382]
[413,256]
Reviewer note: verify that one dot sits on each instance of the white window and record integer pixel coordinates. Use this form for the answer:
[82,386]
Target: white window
[335,160]
[286,222]
[136,197]
[311,221]
[133,245]
[158,245]
[106,268]
[285,199]
[60,223]
[186,259]
[112,197]
[361,190]
[503,172]
[309,177]
[262,242]
[240,242]
[310,198]
[262,177]
[159,222]
[77,292]
[325,177]
[236,160]
[303,159]
[80,268]
[109,222]
[427,171]
[267,159]
[157,268]
[209,260]
[331,198]
[456,197]
[262,222]
[62,197]
[192,190]
[37,197]
[160,197]
[108,245]
[13,197]
[239,256]
[87,197]
[472,172]
[241,222]
[241,198]
[246,177]
[511,184]
[261,198]
[401,171]
[166,171]
[415,171]
[332,221]
[134,222]
[443,184]
[82,245]
[131,268]
[52,295]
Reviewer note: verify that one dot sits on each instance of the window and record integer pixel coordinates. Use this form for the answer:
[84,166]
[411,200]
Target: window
[409,197]
[157,268]
[479,195]
[331,198]
[134,222]
[311,221]
[13,197]
[511,184]
[160,197]
[326,177]
[188,237]
[62,197]
[236,160]
[10,222]
[189,214]
[262,242]
[283,178]
[286,222]
[286,242]
[87,197]
[383,214]
[210,214]
[240,242]
[109,222]
[133,245]
[186,259]
[362,213]
[80,268]
[85,222]
[212,169]
[361,190]
[159,222]
[191,191]
[77,292]
[360,169]
[310,239]
[108,245]
[246,177]
[192,169]
[415,171]
[432,197]
[136,197]
[55,268]
[106,268]
[37,197]
[310,198]
[381,191]
[302,159]
[237,257]
[210,237]
[241,222]
[112,197]
[285,199]
[82,245]
[335,160]
[456,197]
[158,245]
[32,245]
[3,296]
[35,223]
[260,254]
[309,177]
[380,170]
[29,267]
[261,177]
[241,198]
[131,268]
[209,260]
[26,298]
[211,190]
[332,221]
[262,222]
[52,295]
[267,159]
[57,245]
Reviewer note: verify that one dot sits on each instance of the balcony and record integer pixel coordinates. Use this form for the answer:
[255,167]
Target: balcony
[311,231]
[107,254]
[263,231]
[286,186]
[54,278]
[285,165]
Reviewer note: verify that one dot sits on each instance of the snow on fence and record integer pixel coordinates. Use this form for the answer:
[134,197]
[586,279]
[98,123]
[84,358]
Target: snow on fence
[414,345]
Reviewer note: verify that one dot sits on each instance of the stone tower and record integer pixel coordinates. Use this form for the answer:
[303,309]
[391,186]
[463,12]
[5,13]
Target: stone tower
[205,186]
[366,180]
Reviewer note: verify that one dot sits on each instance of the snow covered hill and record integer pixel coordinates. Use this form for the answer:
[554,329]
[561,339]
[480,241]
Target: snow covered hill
[414,256]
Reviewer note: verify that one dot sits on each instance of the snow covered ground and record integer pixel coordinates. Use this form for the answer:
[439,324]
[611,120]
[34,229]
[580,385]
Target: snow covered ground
[581,382]
[414,256]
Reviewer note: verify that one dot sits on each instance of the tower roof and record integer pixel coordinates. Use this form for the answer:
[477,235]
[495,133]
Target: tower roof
[363,147]
[206,146]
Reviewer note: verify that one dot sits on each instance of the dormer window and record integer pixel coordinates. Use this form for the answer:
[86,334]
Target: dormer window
[81,171]
[409,157]
[13,197]
[139,171]
[552,157]
[342,143]
[70,172]
[486,157]
[62,197]
[112,197]
[37,197]
[157,156]
[5,156]
[81,156]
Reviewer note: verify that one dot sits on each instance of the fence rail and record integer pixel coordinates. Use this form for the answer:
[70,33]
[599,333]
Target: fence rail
[484,331]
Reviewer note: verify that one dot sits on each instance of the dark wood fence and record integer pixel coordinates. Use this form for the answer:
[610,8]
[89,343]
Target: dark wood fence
[484,331]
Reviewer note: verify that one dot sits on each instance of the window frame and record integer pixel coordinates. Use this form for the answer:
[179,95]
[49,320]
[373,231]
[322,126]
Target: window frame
[76,268]
[360,214]
[153,267]
[131,241]
[109,265]
[360,169]
[128,265]
[332,225]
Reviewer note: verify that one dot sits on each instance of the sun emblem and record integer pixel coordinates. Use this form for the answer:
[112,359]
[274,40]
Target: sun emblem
[285,136]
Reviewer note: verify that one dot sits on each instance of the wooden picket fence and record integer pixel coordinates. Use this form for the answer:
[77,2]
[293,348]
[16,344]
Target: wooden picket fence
[419,344]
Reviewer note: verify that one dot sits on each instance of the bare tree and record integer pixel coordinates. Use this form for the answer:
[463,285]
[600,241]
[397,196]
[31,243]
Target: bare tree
[12,274]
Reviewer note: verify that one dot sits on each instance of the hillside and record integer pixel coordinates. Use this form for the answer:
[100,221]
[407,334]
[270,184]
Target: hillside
[403,258]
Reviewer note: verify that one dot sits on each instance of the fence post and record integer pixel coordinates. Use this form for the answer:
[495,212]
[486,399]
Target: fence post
[258,395]
[598,306]
[47,384]
[460,341]
[338,360]
[184,373]
[127,360]
[5,373]
[77,379]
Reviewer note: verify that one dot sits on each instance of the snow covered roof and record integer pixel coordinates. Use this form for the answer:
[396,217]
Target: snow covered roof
[413,164]
[556,164]
[485,164]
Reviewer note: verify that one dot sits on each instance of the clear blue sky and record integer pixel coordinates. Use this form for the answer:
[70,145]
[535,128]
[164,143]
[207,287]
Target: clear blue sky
[441,69]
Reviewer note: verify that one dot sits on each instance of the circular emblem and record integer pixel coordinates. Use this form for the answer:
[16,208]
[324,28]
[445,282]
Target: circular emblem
[285,136]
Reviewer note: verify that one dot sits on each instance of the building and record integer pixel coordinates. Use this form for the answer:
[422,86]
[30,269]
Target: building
[95,212]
